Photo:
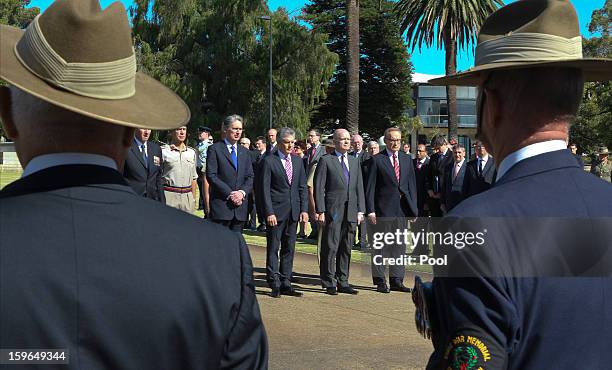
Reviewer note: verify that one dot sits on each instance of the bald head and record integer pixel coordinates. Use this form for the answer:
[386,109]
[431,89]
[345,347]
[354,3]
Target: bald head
[38,128]
[342,140]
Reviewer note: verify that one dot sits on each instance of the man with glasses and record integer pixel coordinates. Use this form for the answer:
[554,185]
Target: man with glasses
[230,174]
[391,198]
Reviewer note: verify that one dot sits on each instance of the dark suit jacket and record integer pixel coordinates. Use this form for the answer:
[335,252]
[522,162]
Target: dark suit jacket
[223,178]
[145,179]
[384,195]
[319,151]
[437,165]
[421,182]
[277,196]
[475,184]
[120,281]
[511,315]
[331,190]
[453,190]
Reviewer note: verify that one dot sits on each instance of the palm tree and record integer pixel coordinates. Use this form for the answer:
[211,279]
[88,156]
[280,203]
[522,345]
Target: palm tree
[352,66]
[450,23]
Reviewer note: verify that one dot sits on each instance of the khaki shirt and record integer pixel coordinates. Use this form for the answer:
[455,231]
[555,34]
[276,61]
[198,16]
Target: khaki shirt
[310,180]
[178,167]
[603,171]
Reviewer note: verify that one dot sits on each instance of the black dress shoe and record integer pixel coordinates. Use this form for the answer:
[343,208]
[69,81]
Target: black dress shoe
[261,228]
[382,288]
[276,293]
[291,292]
[347,290]
[400,288]
[331,291]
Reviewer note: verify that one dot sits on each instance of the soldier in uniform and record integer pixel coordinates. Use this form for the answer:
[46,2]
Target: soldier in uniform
[541,301]
[179,172]
[603,168]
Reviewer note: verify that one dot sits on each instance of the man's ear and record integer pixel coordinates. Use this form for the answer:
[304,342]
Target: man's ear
[493,109]
[128,136]
[6,115]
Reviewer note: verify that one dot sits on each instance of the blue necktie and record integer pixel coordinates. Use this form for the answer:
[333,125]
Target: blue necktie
[143,149]
[234,158]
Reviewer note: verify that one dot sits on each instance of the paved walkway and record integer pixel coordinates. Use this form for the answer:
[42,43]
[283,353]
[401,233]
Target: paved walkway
[368,331]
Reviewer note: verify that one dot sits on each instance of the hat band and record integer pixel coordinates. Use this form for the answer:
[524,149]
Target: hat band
[108,80]
[528,47]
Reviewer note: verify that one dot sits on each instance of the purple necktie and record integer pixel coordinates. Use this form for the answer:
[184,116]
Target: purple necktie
[345,168]
[288,168]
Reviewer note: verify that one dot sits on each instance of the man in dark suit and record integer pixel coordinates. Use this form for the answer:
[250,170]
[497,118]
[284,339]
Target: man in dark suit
[271,146]
[340,206]
[257,156]
[117,280]
[390,198]
[421,171]
[454,175]
[574,149]
[362,156]
[142,168]
[480,173]
[522,290]
[229,171]
[284,201]
[438,163]
[311,156]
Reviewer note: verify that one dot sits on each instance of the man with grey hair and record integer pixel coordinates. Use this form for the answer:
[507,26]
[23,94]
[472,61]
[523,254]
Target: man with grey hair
[284,202]
[373,147]
[508,303]
[103,277]
[340,206]
[229,172]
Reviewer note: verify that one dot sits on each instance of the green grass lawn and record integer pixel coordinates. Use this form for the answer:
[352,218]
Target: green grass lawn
[253,238]
[8,175]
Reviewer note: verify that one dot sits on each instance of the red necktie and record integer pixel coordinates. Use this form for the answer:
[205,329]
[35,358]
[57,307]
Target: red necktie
[396,167]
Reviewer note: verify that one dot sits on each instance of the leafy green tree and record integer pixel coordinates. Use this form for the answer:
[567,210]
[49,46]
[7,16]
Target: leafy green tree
[384,68]
[593,125]
[214,54]
[448,24]
[16,13]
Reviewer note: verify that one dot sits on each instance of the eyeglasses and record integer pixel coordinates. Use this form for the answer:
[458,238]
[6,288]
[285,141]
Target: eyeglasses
[394,140]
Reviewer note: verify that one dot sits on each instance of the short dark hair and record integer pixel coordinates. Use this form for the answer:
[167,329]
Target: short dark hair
[300,144]
[260,138]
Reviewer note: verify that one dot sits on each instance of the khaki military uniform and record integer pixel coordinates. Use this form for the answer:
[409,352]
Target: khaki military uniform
[178,172]
[602,170]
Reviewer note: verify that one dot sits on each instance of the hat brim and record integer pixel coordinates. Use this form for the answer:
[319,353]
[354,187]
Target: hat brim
[594,69]
[153,106]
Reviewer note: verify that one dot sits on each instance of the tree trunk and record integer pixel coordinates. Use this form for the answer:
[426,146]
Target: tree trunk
[450,48]
[352,66]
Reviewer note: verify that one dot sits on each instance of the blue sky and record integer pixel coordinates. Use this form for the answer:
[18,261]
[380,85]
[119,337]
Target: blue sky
[431,60]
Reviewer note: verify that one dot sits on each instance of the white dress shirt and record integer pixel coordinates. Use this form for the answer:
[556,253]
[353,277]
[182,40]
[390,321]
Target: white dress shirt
[528,152]
[60,159]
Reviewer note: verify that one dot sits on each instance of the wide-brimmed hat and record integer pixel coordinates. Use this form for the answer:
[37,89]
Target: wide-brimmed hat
[603,151]
[530,34]
[81,58]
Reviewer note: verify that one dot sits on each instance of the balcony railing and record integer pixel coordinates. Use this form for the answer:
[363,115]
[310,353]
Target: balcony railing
[465,121]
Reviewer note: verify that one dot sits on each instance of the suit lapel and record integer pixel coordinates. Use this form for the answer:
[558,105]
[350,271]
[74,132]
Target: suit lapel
[136,150]
[487,167]
[339,170]
[389,166]
[226,153]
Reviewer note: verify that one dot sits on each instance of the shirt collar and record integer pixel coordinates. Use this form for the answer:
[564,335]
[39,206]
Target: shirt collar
[338,154]
[484,159]
[528,152]
[139,143]
[229,145]
[282,156]
[390,153]
[60,159]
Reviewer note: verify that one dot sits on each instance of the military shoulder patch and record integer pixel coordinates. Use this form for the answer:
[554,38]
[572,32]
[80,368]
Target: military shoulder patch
[467,352]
